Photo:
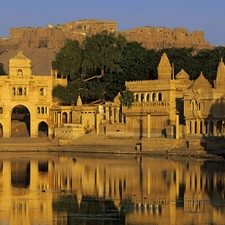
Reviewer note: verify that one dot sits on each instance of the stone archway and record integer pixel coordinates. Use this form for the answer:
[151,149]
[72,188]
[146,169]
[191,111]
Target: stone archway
[43,129]
[20,121]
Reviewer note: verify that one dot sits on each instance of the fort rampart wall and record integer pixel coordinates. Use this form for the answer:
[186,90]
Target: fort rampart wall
[55,36]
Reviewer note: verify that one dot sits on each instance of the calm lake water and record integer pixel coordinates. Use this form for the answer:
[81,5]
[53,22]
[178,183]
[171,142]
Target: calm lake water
[110,189]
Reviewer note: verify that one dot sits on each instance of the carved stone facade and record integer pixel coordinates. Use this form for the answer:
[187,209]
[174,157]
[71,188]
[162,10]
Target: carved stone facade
[157,103]
[22,89]
[204,105]
[180,108]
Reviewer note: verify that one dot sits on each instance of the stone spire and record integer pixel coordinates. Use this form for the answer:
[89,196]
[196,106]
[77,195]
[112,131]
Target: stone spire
[220,77]
[79,101]
[164,68]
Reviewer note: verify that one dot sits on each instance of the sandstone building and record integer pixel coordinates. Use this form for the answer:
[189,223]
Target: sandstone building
[22,89]
[171,111]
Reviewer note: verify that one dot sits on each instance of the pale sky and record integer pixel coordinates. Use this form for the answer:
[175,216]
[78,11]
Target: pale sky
[206,15]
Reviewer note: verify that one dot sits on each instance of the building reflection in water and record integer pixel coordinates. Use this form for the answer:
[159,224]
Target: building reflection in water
[107,190]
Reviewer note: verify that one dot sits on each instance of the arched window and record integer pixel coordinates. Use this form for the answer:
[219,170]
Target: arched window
[64,117]
[42,91]
[38,110]
[142,97]
[136,97]
[153,97]
[20,91]
[42,110]
[206,127]
[147,97]
[195,127]
[19,72]
[25,91]
[160,96]
[200,127]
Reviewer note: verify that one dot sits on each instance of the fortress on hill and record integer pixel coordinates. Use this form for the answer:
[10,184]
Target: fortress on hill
[54,37]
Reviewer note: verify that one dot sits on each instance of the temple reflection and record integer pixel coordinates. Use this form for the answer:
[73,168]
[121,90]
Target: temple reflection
[131,190]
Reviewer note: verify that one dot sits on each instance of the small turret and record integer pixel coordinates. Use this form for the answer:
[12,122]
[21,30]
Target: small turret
[164,68]
[20,65]
[220,77]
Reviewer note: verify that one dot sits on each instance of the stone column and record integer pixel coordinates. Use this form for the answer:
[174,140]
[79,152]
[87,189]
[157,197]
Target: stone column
[107,113]
[192,127]
[203,127]
[6,126]
[188,123]
[177,125]
[112,117]
[214,128]
[198,126]
[149,124]
[97,122]
[33,129]
[58,119]
[117,115]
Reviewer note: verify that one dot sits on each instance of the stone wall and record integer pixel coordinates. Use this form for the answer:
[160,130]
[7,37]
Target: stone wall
[159,38]
[54,37]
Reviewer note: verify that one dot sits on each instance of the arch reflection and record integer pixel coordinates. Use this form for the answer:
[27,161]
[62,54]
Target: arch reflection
[119,190]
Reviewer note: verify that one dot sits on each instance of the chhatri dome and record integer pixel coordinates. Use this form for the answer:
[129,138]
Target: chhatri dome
[182,75]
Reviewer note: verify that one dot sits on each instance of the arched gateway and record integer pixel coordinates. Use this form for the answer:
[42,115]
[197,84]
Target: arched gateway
[32,92]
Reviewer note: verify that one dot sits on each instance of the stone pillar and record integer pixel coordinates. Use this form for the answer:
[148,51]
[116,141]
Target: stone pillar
[203,127]
[58,119]
[112,118]
[107,113]
[198,126]
[6,126]
[149,124]
[50,131]
[214,128]
[177,125]
[117,119]
[192,127]
[33,129]
[187,122]
[97,122]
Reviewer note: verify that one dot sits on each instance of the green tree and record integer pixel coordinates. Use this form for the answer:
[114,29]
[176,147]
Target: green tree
[2,71]
[99,57]
[127,98]
[68,60]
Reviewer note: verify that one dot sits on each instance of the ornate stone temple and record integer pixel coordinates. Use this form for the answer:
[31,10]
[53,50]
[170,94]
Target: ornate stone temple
[174,110]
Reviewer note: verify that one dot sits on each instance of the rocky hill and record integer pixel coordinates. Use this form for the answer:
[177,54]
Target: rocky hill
[41,44]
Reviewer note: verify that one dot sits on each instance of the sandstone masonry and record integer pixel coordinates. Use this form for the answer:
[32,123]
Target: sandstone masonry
[54,37]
